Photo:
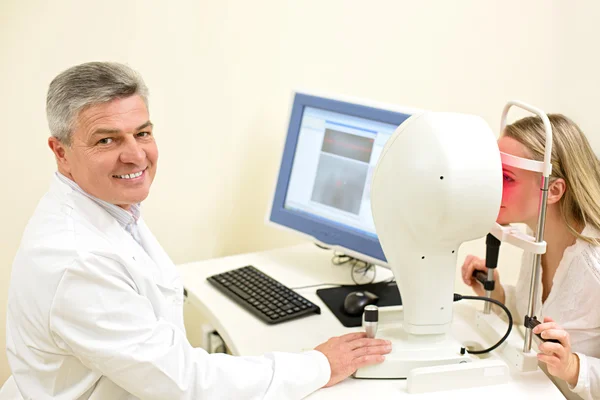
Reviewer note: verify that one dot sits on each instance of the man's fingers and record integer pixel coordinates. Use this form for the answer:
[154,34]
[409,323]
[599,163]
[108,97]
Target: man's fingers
[372,350]
[355,344]
[353,336]
[364,361]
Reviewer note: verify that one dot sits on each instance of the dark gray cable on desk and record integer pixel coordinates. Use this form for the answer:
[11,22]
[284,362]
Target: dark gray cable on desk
[357,265]
[458,297]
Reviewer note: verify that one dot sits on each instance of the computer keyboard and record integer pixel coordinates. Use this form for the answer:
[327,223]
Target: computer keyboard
[263,296]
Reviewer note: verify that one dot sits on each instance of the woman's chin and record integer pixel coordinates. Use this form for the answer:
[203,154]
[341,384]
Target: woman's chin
[502,220]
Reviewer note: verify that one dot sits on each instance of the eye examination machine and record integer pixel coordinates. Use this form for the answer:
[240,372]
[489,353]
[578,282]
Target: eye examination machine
[437,184]
[403,189]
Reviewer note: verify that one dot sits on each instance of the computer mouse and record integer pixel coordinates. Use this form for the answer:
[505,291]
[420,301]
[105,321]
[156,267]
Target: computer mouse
[355,302]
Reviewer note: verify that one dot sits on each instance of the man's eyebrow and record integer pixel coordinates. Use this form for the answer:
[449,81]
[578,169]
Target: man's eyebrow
[104,131]
[144,125]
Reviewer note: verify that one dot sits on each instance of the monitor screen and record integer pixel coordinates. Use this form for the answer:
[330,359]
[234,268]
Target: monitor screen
[323,188]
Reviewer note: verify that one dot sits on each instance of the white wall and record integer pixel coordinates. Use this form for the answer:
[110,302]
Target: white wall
[578,74]
[221,75]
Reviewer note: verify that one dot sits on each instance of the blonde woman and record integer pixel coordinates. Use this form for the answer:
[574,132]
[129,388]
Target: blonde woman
[569,296]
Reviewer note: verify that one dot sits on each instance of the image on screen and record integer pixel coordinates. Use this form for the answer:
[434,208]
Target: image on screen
[329,160]
[342,170]
[334,160]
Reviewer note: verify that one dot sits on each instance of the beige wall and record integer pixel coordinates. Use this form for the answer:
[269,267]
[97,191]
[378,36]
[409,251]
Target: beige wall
[221,75]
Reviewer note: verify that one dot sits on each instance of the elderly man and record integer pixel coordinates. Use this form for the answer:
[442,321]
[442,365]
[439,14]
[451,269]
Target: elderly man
[95,304]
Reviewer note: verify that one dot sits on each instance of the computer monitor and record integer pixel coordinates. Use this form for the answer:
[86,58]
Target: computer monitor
[324,182]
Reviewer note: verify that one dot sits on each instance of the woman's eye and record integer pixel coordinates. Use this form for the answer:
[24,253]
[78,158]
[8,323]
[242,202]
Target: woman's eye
[105,140]
[508,178]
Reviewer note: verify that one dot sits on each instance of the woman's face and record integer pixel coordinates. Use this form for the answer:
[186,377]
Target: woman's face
[521,189]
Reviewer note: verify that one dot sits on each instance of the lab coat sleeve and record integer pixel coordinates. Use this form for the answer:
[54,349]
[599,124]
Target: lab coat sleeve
[588,382]
[98,316]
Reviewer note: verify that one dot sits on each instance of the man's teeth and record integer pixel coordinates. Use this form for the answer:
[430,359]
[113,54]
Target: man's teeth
[130,176]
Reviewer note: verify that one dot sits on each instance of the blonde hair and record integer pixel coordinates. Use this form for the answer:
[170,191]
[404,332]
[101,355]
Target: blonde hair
[572,160]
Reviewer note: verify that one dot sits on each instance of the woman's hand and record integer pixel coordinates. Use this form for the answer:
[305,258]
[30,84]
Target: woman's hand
[561,362]
[473,263]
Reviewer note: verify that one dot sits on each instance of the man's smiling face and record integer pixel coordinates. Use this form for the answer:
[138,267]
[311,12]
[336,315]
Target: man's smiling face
[112,154]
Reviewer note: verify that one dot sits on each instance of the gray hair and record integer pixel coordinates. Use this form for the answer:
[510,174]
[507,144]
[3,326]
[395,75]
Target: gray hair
[86,85]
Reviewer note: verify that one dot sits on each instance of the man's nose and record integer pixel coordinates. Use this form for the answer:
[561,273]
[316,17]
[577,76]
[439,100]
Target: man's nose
[132,151]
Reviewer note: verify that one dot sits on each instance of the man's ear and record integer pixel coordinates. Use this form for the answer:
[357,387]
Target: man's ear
[60,153]
[556,190]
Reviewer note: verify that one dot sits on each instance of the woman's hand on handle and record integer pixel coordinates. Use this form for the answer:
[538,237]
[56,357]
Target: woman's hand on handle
[473,263]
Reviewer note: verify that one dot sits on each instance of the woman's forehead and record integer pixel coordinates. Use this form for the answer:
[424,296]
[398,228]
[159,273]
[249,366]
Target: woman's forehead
[510,146]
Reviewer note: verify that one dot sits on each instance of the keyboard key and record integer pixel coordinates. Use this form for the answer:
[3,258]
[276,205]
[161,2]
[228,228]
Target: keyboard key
[239,292]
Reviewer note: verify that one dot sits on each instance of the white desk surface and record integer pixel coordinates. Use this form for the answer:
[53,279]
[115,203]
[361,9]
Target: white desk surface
[305,265]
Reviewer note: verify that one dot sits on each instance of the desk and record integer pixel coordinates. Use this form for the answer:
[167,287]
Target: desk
[304,265]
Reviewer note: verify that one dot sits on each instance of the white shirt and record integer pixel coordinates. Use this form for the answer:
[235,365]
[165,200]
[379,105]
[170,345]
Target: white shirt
[92,314]
[574,303]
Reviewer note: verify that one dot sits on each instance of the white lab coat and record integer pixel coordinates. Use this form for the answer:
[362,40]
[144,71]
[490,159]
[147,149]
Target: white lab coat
[92,315]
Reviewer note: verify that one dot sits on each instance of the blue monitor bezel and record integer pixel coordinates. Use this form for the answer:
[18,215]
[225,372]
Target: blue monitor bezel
[325,231]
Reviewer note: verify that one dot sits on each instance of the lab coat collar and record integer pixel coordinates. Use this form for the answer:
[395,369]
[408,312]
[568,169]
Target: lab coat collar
[123,216]
[124,244]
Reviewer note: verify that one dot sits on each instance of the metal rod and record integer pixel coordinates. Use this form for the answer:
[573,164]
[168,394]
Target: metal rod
[537,261]
[488,293]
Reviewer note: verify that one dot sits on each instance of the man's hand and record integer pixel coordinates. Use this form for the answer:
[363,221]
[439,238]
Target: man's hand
[561,362]
[349,352]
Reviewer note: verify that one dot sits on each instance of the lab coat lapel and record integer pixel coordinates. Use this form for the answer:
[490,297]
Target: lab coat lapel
[160,272]
[168,280]
[153,272]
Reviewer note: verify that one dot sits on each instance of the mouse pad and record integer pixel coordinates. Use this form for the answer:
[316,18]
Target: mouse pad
[334,299]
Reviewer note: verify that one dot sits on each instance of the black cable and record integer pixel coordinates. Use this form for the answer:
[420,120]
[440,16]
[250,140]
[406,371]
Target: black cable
[458,297]
[358,266]
[364,270]
[341,259]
